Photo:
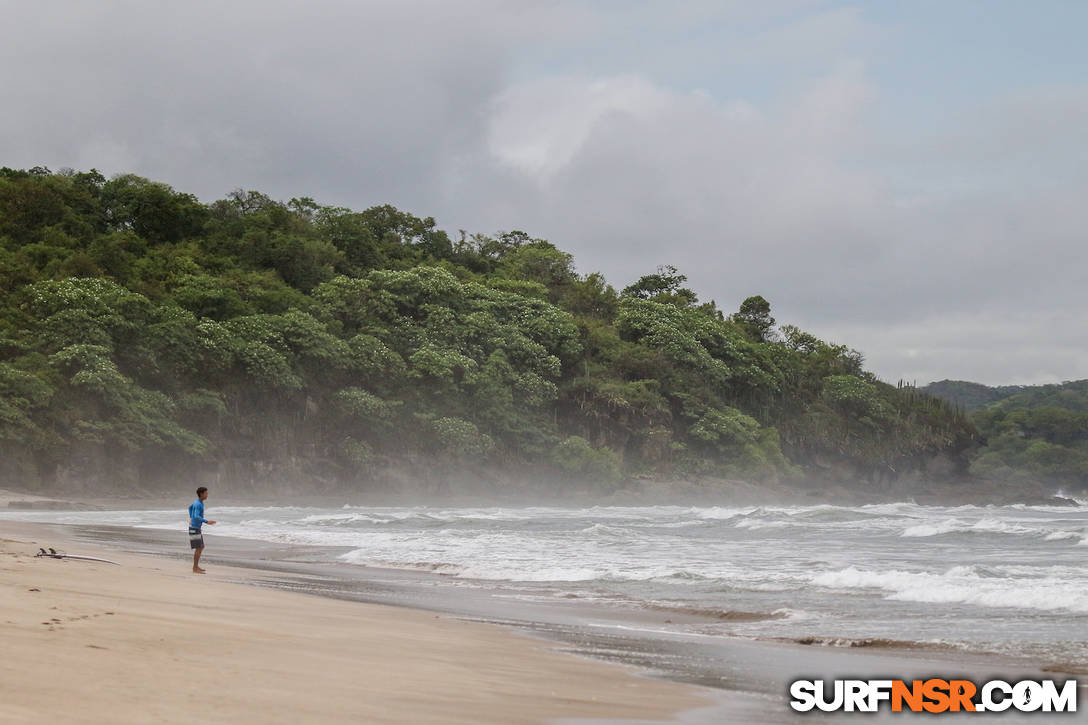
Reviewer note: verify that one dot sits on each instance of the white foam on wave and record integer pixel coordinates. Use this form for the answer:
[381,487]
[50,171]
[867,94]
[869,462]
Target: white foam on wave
[982,526]
[378,517]
[820,518]
[681,524]
[606,531]
[363,558]
[757,524]
[796,615]
[1062,535]
[901,508]
[964,585]
[491,571]
[719,513]
[933,529]
[334,518]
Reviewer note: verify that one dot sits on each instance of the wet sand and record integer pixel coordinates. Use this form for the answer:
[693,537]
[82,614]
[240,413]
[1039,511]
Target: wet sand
[148,641]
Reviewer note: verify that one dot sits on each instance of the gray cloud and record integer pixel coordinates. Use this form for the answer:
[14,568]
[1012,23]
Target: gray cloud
[951,251]
[975,279]
[363,101]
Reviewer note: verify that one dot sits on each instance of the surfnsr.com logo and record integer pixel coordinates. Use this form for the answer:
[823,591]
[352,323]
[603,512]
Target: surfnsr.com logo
[933,695]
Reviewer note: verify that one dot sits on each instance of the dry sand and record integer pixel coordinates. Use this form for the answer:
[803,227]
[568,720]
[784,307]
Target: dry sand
[149,642]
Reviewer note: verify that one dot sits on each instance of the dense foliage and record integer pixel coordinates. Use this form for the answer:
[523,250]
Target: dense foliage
[145,335]
[1032,433]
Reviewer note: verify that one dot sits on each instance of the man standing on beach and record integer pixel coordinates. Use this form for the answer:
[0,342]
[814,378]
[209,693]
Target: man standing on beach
[196,520]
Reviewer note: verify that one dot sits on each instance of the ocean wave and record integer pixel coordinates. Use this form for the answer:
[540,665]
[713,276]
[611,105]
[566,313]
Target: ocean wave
[437,567]
[606,531]
[982,526]
[721,615]
[682,524]
[478,561]
[965,585]
[1062,535]
[559,574]
[877,642]
[929,529]
[825,517]
[901,508]
[757,524]
[492,571]
[351,519]
[718,513]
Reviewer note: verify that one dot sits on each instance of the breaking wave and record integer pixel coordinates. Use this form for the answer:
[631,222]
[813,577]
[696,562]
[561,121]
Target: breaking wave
[966,585]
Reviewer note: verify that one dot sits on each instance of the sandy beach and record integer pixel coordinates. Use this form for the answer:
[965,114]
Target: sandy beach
[149,642]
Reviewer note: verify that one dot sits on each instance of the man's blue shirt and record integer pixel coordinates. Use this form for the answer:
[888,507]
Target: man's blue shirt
[196,515]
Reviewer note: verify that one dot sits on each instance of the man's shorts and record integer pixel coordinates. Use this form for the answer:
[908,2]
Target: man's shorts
[196,539]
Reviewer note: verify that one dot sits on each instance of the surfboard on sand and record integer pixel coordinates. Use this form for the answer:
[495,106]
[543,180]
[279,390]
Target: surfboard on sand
[54,554]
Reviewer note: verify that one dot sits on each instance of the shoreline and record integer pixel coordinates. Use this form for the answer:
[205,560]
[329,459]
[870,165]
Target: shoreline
[146,642]
[646,491]
[749,676]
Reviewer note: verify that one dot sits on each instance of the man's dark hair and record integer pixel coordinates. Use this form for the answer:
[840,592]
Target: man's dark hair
[201,490]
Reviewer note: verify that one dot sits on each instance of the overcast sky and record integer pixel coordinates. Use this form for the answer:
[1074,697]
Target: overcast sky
[906,178]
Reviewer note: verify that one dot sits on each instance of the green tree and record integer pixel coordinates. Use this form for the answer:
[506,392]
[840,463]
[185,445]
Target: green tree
[755,318]
[663,287]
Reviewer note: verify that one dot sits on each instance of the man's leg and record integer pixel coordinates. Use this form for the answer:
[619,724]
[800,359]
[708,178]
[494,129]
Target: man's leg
[196,560]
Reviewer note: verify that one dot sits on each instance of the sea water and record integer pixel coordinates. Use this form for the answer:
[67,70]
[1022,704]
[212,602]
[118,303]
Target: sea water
[1009,580]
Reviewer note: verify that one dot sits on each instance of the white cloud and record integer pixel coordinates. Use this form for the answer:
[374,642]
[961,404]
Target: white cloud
[538,128]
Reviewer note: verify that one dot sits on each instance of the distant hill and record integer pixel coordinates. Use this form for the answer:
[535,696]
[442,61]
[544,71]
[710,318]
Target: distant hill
[1036,433]
[1071,396]
[968,395]
[972,396]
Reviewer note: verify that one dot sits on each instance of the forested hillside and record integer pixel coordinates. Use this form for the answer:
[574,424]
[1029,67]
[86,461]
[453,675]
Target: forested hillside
[1033,433]
[146,337]
[969,396]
